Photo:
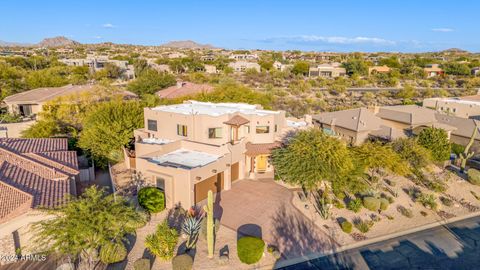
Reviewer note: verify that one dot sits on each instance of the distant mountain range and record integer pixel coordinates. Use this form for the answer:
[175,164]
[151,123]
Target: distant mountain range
[187,44]
[59,41]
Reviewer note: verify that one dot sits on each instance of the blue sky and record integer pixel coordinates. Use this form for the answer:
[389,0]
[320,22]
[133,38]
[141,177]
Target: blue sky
[317,25]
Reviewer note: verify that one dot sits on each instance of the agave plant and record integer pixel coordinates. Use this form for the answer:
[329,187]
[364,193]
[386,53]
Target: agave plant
[191,227]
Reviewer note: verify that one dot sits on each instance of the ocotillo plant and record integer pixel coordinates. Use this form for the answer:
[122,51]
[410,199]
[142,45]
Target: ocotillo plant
[466,153]
[209,211]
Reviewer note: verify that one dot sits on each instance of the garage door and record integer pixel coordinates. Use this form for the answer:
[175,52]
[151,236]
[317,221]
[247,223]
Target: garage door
[235,172]
[214,183]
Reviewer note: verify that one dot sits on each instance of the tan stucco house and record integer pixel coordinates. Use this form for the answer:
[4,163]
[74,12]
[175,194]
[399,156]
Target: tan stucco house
[190,148]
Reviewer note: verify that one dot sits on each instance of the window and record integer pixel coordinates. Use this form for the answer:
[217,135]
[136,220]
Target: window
[152,125]
[262,129]
[160,183]
[276,128]
[247,129]
[215,133]
[182,130]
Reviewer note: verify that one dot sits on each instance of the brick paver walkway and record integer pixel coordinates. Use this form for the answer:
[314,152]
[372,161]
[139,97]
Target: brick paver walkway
[262,207]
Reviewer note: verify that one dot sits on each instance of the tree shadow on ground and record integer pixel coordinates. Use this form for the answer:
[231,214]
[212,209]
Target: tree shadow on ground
[295,235]
[129,243]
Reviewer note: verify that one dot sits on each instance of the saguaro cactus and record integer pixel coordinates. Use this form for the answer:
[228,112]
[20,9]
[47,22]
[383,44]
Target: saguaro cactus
[466,153]
[210,226]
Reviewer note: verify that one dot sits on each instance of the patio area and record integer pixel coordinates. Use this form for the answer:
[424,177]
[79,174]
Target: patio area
[263,208]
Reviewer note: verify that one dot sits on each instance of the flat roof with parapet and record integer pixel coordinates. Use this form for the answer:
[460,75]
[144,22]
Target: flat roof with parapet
[185,159]
[214,109]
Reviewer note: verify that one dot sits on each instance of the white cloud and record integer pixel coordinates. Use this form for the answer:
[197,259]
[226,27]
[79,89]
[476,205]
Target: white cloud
[108,25]
[444,30]
[97,37]
[333,40]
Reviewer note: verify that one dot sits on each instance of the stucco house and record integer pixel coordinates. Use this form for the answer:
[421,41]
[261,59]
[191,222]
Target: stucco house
[327,71]
[378,69]
[433,70]
[465,107]
[190,148]
[242,66]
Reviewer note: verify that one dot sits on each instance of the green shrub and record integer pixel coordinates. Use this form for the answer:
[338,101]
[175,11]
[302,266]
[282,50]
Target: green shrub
[162,243]
[141,264]
[250,249]
[182,262]
[338,204]
[457,149]
[355,205]
[428,200]
[384,204]
[446,201]
[371,203]
[404,211]
[474,176]
[113,252]
[346,226]
[361,225]
[152,199]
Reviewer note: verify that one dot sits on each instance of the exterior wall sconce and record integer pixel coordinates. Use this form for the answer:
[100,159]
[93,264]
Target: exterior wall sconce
[214,171]
[198,178]
[228,164]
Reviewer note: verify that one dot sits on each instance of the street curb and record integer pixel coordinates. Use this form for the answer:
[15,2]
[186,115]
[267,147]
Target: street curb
[373,240]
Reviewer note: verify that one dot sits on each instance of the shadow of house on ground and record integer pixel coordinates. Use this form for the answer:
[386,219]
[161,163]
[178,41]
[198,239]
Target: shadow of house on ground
[418,253]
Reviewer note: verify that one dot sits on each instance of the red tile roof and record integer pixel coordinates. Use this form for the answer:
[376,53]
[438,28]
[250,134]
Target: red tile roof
[237,120]
[39,169]
[184,89]
[254,149]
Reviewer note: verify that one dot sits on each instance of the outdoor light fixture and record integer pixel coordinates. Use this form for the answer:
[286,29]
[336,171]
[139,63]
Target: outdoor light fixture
[214,171]
[198,178]
[228,164]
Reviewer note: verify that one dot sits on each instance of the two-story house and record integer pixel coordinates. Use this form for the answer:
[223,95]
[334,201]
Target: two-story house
[190,148]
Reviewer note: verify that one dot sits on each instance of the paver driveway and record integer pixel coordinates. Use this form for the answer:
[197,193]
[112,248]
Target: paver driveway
[264,207]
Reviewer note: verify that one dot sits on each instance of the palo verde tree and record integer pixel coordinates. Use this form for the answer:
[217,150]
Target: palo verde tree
[410,150]
[311,157]
[435,140]
[85,225]
[374,157]
[108,126]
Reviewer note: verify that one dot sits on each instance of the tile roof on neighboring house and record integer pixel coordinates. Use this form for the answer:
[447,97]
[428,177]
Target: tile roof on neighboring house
[184,89]
[254,149]
[358,120]
[48,93]
[407,114]
[237,120]
[39,169]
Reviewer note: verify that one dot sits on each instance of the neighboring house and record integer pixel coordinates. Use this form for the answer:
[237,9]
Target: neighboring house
[280,67]
[476,71]
[327,71]
[355,126]
[246,57]
[182,89]
[30,103]
[465,107]
[190,148]
[34,173]
[210,69]
[433,70]
[96,63]
[378,69]
[463,130]
[241,66]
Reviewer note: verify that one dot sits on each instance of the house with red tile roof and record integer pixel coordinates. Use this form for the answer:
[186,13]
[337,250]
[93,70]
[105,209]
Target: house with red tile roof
[34,173]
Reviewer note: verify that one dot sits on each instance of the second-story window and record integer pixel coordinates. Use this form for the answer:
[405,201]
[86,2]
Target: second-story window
[182,130]
[215,133]
[276,128]
[262,129]
[152,125]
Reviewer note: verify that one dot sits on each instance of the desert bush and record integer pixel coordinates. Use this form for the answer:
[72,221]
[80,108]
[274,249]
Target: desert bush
[182,262]
[250,249]
[141,264]
[338,204]
[355,205]
[474,194]
[473,176]
[446,201]
[428,201]
[162,243]
[404,211]
[414,193]
[390,182]
[371,203]
[423,213]
[361,225]
[436,186]
[152,199]
[113,252]
[346,226]
[384,204]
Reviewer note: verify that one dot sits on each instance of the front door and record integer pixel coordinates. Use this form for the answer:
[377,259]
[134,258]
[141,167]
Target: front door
[261,163]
